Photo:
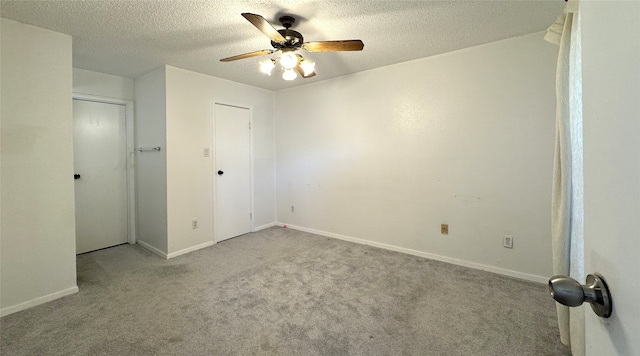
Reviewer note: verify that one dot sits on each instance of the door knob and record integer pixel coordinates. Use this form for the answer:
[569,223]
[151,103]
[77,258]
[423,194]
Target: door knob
[567,291]
[220,173]
[76,176]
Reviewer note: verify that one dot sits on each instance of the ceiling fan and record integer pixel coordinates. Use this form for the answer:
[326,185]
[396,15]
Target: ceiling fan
[287,42]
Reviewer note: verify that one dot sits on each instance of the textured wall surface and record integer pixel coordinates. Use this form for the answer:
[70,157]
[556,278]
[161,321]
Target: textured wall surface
[100,84]
[464,138]
[38,217]
[190,98]
[151,167]
[175,186]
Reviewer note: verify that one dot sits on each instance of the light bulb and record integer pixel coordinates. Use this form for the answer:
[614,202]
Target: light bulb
[307,66]
[289,74]
[267,66]
[288,60]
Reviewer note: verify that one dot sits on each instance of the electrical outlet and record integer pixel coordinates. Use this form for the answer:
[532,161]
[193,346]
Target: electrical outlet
[293,209]
[444,229]
[194,223]
[507,241]
[206,152]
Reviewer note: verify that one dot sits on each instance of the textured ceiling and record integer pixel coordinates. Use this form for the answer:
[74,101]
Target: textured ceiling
[130,38]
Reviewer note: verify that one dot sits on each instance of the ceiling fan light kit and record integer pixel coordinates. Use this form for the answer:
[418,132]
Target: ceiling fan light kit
[286,42]
[288,60]
[267,66]
[307,66]
[289,74]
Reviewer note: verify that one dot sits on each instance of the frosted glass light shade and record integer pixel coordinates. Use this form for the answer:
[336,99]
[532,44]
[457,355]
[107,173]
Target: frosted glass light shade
[289,74]
[288,60]
[267,66]
[307,66]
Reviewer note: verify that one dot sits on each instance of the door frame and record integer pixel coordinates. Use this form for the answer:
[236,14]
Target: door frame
[213,163]
[130,156]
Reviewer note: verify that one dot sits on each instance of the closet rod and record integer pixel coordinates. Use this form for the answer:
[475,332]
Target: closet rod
[148,149]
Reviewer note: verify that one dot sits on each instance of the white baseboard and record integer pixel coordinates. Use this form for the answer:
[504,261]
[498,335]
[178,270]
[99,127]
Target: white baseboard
[37,301]
[455,261]
[152,249]
[189,249]
[265,226]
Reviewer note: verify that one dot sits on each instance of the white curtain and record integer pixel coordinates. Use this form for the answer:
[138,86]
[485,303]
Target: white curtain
[567,194]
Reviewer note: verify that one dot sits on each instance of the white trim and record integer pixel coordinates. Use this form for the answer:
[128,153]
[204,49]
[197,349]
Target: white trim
[214,102]
[275,162]
[130,169]
[265,226]
[37,301]
[152,249]
[455,261]
[190,249]
[251,169]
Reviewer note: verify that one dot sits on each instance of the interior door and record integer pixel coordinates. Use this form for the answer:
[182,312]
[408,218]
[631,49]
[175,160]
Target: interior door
[611,114]
[100,161]
[232,172]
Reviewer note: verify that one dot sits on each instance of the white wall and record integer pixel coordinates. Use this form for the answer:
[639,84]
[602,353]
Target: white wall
[465,138]
[38,261]
[611,112]
[175,186]
[151,167]
[190,99]
[100,84]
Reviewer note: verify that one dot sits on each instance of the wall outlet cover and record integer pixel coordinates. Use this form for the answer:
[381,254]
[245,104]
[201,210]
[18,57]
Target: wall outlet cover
[507,241]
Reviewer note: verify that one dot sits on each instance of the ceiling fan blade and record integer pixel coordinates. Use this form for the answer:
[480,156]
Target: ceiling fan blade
[264,26]
[248,55]
[301,72]
[333,46]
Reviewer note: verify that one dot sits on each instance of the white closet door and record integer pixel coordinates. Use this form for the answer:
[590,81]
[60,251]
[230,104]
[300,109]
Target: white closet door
[232,172]
[100,162]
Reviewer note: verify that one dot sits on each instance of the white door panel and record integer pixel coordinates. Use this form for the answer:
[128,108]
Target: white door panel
[232,172]
[100,159]
[611,111]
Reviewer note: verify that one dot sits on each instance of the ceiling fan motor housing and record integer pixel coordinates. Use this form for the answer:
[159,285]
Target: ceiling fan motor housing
[294,40]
